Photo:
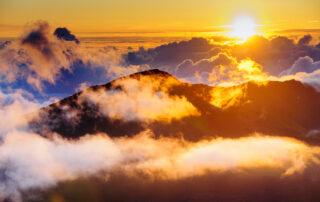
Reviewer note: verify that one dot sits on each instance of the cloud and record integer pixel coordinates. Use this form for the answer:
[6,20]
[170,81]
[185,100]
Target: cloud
[14,106]
[188,68]
[221,70]
[277,54]
[305,40]
[311,79]
[35,162]
[46,62]
[303,64]
[199,56]
[139,99]
[83,86]
[304,70]
[35,57]
[38,39]
[29,160]
[170,55]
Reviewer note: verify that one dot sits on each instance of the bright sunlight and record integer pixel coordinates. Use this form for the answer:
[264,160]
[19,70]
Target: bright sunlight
[243,28]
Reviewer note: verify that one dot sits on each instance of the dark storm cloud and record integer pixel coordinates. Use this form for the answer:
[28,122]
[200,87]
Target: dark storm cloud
[65,34]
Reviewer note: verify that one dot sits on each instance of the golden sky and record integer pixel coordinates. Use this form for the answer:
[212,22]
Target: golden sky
[164,15]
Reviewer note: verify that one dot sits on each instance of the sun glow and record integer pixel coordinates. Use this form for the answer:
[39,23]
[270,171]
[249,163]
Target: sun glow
[243,28]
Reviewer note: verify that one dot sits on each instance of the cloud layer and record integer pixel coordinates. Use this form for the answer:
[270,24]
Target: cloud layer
[216,63]
[29,161]
[56,63]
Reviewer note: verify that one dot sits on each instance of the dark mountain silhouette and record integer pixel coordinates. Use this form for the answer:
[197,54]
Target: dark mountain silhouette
[288,108]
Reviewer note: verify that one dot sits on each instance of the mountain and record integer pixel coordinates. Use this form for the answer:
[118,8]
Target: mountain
[288,108]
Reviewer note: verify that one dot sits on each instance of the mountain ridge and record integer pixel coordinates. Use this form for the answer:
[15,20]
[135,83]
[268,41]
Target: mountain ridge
[288,108]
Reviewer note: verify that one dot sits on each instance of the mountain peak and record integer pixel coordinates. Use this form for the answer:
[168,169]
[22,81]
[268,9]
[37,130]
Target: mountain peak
[153,72]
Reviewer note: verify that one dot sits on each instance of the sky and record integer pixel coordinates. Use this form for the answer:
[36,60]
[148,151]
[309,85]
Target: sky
[155,16]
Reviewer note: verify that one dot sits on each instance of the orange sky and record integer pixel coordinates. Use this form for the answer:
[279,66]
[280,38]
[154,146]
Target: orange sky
[151,15]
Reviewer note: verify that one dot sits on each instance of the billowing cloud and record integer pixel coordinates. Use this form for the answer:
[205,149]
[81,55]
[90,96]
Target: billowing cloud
[303,64]
[305,40]
[141,99]
[308,78]
[221,70]
[275,55]
[172,54]
[52,62]
[188,68]
[14,106]
[29,161]
[305,70]
[35,57]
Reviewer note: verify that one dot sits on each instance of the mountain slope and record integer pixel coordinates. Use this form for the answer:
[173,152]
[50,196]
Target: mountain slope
[287,108]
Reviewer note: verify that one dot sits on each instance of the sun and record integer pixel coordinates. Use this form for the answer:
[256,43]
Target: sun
[243,28]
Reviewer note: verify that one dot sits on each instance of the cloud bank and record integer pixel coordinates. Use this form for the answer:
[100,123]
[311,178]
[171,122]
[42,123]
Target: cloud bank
[54,62]
[29,161]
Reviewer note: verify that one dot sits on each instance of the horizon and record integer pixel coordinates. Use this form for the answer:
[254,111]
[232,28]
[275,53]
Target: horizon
[148,16]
